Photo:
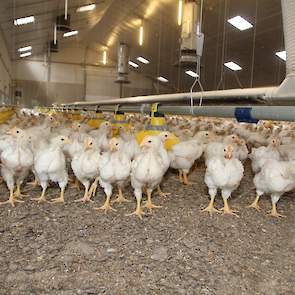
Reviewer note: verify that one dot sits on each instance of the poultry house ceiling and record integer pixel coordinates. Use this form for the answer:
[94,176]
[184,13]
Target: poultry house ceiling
[115,21]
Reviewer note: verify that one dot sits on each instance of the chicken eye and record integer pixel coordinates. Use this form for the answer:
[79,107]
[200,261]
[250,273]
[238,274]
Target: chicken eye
[224,150]
[166,135]
[17,131]
[149,141]
[62,139]
[207,134]
[117,144]
[90,143]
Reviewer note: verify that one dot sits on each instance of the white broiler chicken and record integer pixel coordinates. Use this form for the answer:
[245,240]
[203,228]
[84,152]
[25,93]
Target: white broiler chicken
[85,166]
[184,154]
[114,169]
[130,142]
[259,156]
[16,162]
[50,165]
[147,172]
[224,173]
[275,178]
[102,135]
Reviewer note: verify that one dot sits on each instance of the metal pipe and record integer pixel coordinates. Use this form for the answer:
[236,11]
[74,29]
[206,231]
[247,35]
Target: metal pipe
[250,114]
[262,93]
[288,11]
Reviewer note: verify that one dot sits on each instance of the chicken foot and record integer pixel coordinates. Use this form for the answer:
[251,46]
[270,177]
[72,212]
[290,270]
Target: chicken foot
[42,198]
[61,198]
[120,198]
[274,212]
[138,212]
[33,184]
[255,204]
[149,204]
[180,175]
[210,208]
[106,206]
[18,193]
[86,197]
[161,193]
[12,200]
[226,209]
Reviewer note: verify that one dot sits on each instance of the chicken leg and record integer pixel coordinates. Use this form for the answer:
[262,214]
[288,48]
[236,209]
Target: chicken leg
[93,188]
[180,175]
[107,205]
[274,212]
[138,212]
[185,179]
[86,197]
[255,204]
[120,197]
[226,209]
[61,198]
[161,193]
[18,193]
[12,200]
[149,204]
[210,208]
[42,198]
[33,184]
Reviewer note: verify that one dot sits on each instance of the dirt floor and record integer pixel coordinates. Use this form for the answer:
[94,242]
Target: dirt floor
[72,249]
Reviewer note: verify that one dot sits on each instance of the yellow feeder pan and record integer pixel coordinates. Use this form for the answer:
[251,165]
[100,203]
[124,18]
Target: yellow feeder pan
[76,116]
[96,122]
[6,115]
[158,125]
[119,121]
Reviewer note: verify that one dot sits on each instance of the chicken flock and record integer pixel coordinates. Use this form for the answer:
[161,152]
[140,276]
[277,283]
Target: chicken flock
[55,149]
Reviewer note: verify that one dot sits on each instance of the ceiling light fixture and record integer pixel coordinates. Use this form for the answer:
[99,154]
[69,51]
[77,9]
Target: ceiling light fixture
[24,49]
[282,55]
[240,23]
[141,36]
[26,54]
[86,8]
[233,66]
[191,73]
[24,20]
[180,6]
[143,60]
[71,33]
[104,57]
[133,64]
[162,79]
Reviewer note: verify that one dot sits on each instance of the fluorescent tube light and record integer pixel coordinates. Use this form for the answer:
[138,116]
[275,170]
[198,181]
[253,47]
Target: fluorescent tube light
[162,79]
[71,33]
[240,23]
[233,66]
[26,54]
[143,60]
[24,20]
[192,74]
[282,55]
[133,64]
[24,49]
[86,8]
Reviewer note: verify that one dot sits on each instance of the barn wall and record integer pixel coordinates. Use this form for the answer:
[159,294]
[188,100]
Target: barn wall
[5,72]
[62,79]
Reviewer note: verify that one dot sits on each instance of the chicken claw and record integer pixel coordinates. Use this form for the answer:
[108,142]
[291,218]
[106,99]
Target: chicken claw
[211,209]
[61,198]
[162,194]
[227,210]
[84,200]
[12,202]
[39,200]
[274,212]
[120,198]
[106,206]
[138,212]
[255,204]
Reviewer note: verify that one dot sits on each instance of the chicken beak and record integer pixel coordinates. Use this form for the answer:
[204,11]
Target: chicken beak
[237,141]
[228,155]
[143,143]
[68,141]
[11,131]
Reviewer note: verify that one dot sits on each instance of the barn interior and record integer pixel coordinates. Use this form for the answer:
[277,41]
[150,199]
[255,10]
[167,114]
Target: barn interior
[147,147]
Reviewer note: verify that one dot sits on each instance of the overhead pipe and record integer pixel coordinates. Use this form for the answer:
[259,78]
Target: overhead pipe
[250,114]
[264,93]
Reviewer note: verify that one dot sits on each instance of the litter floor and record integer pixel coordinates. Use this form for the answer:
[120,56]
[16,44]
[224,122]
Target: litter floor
[73,249]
